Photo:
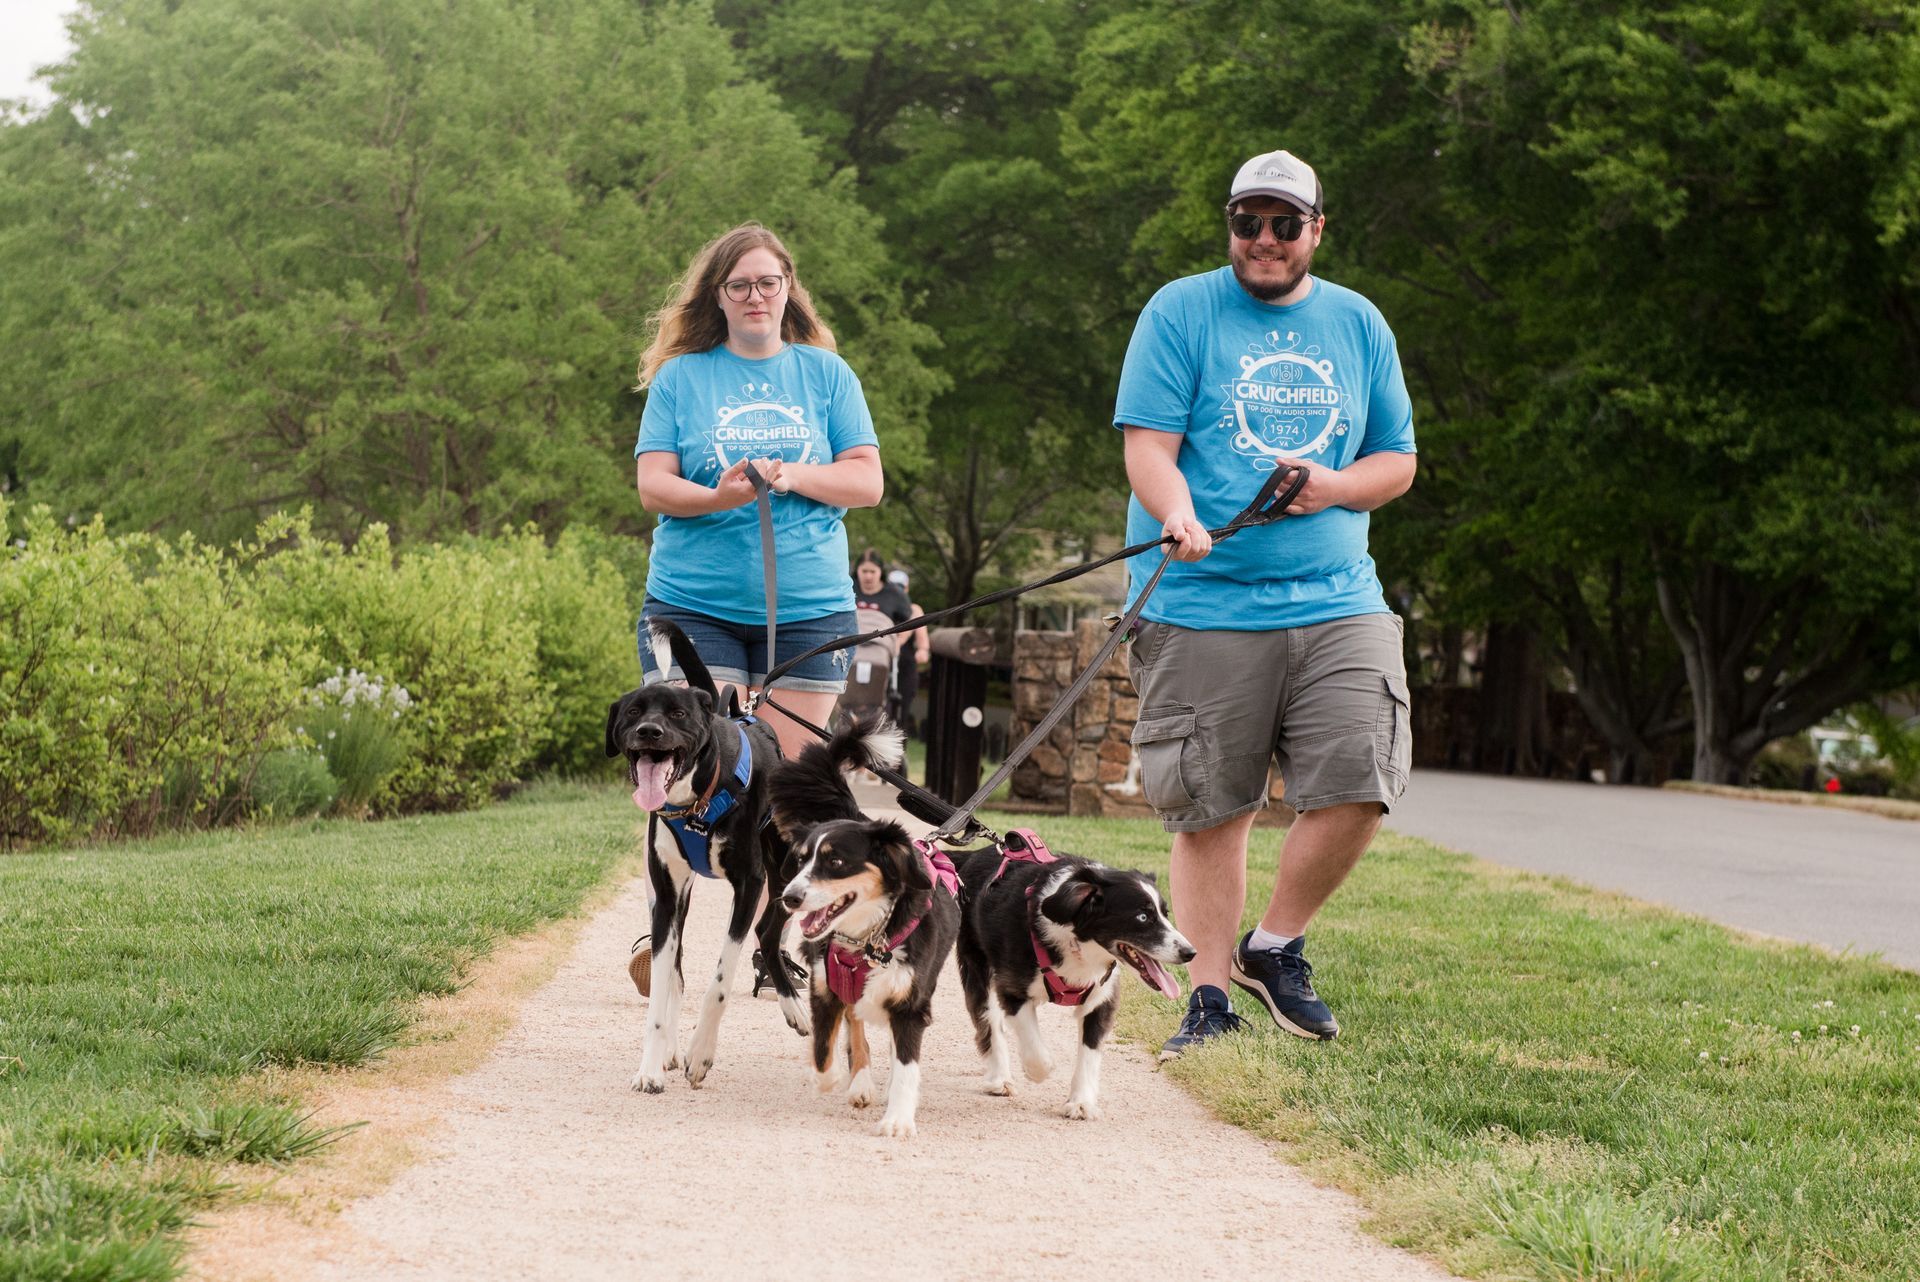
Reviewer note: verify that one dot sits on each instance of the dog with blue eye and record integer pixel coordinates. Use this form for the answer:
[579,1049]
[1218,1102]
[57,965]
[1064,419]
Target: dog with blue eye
[701,771]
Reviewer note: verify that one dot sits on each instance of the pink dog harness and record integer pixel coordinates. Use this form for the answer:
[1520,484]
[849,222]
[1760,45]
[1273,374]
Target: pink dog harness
[1023,845]
[848,966]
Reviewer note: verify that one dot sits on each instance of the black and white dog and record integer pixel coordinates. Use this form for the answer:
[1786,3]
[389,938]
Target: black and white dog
[702,775]
[1039,928]
[877,918]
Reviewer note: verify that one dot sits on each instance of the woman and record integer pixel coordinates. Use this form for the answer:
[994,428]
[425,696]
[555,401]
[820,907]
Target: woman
[742,369]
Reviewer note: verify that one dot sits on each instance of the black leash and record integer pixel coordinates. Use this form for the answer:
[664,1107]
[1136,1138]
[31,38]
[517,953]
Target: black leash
[769,566]
[1268,506]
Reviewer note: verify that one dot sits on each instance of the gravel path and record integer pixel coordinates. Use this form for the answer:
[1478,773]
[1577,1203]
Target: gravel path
[542,1163]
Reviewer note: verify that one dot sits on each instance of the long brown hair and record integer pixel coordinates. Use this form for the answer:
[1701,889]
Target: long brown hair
[693,321]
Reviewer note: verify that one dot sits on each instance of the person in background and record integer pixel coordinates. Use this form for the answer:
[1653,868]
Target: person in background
[916,650]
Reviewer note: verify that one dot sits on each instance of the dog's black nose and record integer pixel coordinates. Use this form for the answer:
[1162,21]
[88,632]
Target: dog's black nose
[1186,954]
[647,730]
[792,900]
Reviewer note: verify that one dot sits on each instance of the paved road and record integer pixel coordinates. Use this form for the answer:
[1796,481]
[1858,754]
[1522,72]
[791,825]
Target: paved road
[1827,876]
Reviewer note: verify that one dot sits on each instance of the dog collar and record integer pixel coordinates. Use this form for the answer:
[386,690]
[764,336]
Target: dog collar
[848,966]
[692,825]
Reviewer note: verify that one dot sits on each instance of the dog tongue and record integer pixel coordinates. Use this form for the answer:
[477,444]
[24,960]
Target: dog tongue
[1157,976]
[650,783]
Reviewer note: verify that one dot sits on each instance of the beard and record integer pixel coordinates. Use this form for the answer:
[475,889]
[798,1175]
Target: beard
[1269,290]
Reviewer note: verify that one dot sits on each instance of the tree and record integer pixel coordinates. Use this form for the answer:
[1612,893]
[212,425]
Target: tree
[1621,303]
[389,258]
[950,116]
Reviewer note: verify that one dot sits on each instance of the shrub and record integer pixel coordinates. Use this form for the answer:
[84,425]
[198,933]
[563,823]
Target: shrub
[583,620]
[291,783]
[349,721]
[138,680]
[449,623]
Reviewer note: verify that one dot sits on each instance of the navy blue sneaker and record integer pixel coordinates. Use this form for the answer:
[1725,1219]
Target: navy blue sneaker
[1283,981]
[1209,1014]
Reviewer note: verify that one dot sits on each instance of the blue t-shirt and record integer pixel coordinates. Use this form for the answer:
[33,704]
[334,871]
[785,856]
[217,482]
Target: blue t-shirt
[1249,383]
[712,409]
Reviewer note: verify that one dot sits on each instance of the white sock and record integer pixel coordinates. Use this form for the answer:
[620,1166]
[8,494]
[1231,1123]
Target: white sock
[1260,941]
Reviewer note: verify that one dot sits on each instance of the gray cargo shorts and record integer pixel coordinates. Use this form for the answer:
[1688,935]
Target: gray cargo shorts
[1328,701]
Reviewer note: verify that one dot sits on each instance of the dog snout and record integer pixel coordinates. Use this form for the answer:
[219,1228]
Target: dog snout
[795,894]
[649,732]
[1183,951]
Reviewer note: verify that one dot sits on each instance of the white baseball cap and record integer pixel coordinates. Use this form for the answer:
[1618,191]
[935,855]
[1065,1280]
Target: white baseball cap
[898,578]
[1278,173]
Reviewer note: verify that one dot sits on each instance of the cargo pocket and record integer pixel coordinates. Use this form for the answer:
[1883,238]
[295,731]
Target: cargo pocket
[1161,736]
[1393,732]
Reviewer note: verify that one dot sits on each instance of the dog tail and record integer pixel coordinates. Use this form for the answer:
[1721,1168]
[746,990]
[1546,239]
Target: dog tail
[863,745]
[671,649]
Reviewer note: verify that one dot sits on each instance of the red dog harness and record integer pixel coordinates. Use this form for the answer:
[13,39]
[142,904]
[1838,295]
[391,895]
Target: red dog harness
[1023,845]
[848,966]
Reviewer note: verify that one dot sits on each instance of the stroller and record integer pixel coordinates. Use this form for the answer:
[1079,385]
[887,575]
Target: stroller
[873,679]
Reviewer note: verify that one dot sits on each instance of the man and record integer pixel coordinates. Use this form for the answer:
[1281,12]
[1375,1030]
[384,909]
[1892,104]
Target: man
[1279,642]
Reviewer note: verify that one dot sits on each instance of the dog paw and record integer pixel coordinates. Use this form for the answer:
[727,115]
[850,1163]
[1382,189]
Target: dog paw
[674,1061]
[697,1073]
[650,1083]
[895,1128]
[1000,1086]
[1038,1069]
[860,1093]
[1082,1110]
[797,1018]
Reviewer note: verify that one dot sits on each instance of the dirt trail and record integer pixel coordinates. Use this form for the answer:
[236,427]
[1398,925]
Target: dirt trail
[543,1163]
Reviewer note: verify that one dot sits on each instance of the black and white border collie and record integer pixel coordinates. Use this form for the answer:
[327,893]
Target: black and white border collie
[682,746]
[875,921]
[1088,920]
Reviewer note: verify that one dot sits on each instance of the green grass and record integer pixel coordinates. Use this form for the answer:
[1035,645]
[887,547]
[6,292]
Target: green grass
[1537,1081]
[140,982]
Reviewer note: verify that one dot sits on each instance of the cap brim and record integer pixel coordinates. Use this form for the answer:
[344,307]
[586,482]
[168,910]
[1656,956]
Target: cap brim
[1287,196]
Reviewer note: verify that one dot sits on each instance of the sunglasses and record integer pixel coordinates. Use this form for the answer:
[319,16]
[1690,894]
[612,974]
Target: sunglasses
[1285,226]
[741,290]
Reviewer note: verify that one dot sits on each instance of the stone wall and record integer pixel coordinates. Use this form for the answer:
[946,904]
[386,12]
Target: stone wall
[1087,765]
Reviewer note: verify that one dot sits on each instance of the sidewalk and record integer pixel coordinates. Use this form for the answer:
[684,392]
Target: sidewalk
[545,1164]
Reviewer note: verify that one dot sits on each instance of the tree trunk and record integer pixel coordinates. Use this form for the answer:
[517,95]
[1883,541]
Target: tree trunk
[1512,734]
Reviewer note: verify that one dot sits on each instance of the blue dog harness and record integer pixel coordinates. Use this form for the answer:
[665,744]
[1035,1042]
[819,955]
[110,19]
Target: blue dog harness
[693,825]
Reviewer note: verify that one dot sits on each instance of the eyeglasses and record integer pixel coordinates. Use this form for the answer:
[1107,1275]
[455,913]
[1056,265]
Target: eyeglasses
[1285,226]
[741,290]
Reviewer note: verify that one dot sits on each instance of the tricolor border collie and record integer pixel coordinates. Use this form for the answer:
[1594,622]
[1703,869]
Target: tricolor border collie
[702,775]
[1039,928]
[877,916]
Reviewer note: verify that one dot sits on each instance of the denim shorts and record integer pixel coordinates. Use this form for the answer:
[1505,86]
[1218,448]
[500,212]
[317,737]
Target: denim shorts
[736,653]
[1328,701]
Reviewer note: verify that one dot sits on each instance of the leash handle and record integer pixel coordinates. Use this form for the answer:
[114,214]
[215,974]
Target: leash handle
[769,568]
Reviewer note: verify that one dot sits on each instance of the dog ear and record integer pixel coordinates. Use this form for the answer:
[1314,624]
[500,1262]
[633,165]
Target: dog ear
[613,723]
[705,701]
[1080,893]
[909,868]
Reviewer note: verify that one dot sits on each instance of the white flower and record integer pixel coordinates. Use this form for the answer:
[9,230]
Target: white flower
[1823,1028]
[1795,1034]
[1656,963]
[1855,1030]
[1706,1054]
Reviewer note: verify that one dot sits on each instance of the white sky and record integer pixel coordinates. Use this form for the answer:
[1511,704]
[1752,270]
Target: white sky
[32,34]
